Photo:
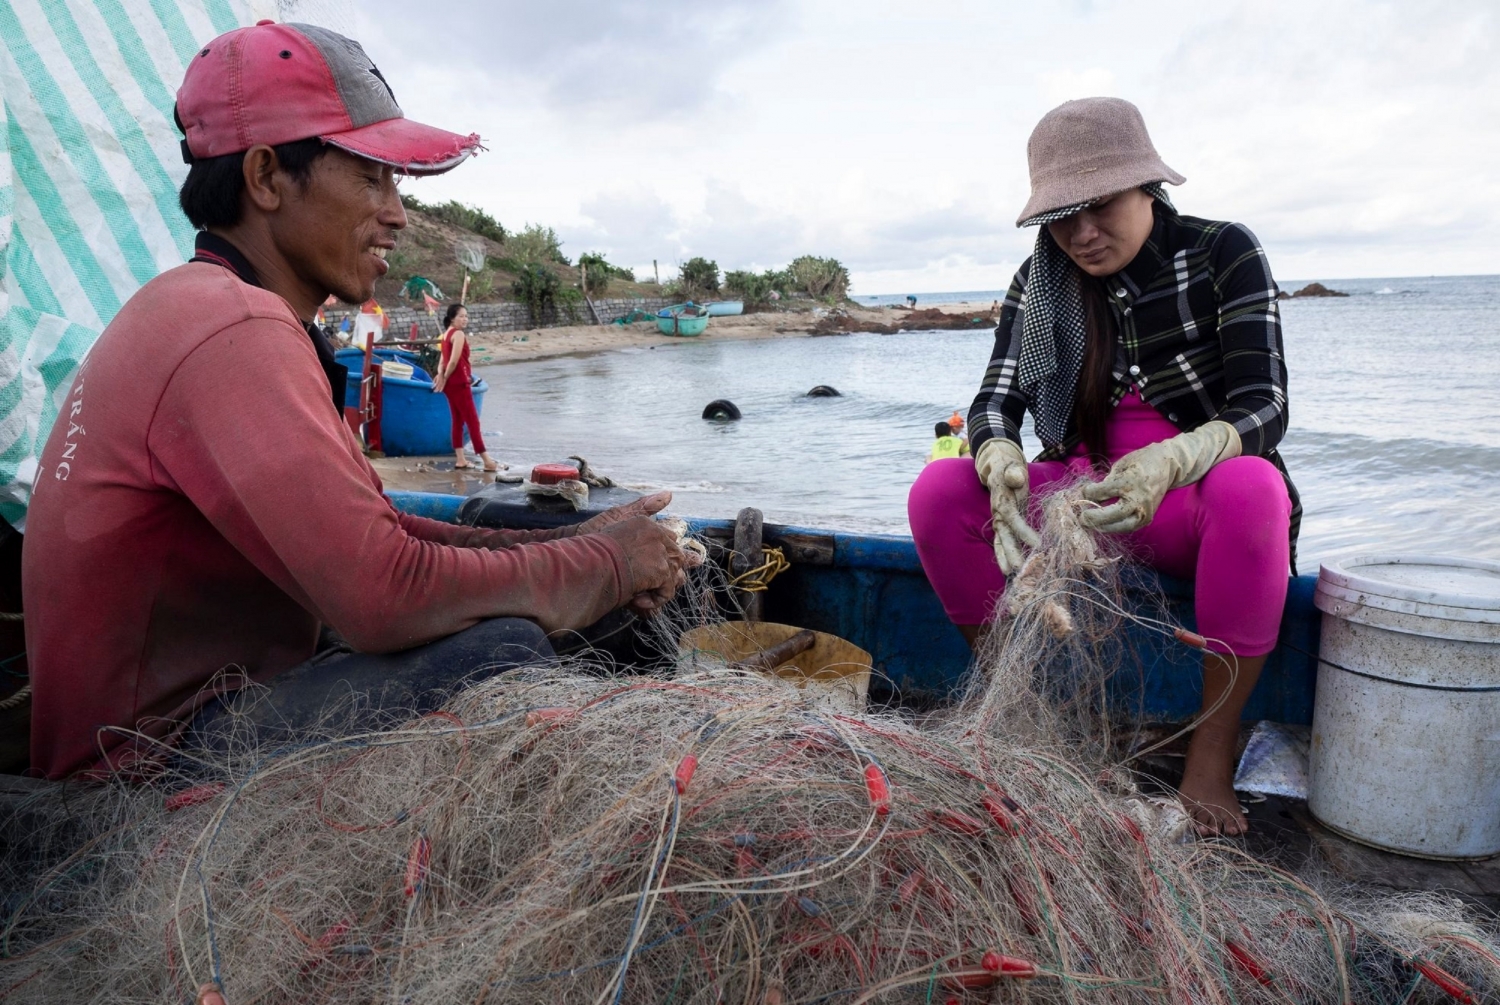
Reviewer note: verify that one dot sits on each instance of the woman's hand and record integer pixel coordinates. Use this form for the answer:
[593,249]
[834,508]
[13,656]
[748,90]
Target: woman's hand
[1002,468]
[437,385]
[1141,479]
[209,994]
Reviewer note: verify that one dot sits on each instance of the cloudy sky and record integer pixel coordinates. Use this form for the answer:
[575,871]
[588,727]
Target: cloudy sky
[1355,138]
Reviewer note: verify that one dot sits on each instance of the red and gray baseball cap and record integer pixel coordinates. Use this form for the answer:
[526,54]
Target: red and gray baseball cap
[277,83]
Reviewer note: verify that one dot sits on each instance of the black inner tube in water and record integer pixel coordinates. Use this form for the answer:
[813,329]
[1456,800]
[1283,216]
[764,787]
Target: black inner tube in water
[824,391]
[721,409]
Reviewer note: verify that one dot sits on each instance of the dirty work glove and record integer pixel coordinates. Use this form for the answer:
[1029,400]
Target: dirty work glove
[1002,467]
[1142,477]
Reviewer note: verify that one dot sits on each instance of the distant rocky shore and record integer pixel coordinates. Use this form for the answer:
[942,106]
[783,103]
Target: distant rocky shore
[1311,290]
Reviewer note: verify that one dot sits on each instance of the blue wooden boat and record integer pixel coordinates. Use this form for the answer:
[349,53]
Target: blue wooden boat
[414,421]
[871,590]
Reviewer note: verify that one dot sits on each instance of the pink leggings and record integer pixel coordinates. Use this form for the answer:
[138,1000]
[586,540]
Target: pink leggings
[461,405]
[1228,532]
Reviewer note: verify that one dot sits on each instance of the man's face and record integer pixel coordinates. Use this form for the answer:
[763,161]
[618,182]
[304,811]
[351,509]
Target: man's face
[336,230]
[1105,237]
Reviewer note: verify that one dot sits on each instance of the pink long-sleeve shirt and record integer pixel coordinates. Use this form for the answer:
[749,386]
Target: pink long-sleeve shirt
[201,506]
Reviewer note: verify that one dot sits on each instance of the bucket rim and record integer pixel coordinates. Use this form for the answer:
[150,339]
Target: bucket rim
[1347,572]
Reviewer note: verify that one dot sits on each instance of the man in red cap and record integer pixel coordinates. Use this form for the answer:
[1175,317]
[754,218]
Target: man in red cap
[201,508]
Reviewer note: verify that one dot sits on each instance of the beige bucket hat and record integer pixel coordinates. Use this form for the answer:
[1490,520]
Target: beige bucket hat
[1087,149]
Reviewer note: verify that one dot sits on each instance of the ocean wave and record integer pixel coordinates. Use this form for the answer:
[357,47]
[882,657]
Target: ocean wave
[696,488]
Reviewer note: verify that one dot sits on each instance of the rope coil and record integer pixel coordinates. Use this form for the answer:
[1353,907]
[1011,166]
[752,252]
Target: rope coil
[758,579]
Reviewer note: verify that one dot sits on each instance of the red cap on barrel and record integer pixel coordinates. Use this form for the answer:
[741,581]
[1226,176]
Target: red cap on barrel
[551,474]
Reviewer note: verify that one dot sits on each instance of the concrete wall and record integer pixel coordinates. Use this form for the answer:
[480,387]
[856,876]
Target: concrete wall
[504,317]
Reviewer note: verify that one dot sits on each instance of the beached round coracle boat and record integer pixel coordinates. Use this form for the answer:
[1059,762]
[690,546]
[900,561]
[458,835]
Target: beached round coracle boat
[684,319]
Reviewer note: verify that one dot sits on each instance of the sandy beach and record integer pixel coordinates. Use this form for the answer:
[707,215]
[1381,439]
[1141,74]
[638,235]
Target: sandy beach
[493,348]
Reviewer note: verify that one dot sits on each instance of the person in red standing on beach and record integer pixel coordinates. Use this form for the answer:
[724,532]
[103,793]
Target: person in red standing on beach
[456,380]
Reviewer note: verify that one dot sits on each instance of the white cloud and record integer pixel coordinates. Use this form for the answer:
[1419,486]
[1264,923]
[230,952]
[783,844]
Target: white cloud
[1353,137]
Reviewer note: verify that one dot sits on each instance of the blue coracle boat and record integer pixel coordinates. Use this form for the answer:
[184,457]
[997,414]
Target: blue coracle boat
[871,590]
[414,421]
[682,319]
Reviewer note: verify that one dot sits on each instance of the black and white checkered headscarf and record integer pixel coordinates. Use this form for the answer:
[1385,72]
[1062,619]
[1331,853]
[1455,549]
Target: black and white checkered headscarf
[1054,334]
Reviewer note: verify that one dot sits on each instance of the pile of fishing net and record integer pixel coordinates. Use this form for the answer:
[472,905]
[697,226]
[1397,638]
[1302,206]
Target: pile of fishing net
[563,834]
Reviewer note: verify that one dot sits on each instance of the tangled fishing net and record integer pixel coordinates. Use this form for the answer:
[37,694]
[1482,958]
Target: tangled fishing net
[711,835]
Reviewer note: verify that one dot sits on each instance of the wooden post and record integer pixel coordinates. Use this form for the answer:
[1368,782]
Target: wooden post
[748,555]
[655,272]
[463,297]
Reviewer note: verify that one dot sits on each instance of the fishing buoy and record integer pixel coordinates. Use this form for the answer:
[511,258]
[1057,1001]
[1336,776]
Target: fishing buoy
[721,410]
[824,391]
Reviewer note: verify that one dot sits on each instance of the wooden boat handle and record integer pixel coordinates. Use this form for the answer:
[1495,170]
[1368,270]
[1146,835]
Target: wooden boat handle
[781,652]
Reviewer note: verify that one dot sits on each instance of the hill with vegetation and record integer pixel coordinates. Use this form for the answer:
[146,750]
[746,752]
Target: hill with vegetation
[443,241]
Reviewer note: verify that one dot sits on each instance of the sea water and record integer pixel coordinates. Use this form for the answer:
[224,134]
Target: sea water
[1394,440]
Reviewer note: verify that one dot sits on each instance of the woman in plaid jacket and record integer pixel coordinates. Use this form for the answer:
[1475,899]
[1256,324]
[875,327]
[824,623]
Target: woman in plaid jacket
[1146,346]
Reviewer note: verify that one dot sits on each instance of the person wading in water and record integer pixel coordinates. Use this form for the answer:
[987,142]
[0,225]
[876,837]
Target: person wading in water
[220,512]
[455,380]
[1147,347]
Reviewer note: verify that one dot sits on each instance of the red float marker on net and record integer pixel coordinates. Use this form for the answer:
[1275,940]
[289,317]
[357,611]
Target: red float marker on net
[192,797]
[879,790]
[1452,986]
[959,823]
[1188,638]
[1007,966]
[1000,815]
[1247,962]
[993,967]
[684,774]
[335,934]
[537,716]
[416,864]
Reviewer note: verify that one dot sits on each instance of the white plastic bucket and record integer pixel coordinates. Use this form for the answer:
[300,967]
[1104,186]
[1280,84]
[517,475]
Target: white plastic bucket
[1405,751]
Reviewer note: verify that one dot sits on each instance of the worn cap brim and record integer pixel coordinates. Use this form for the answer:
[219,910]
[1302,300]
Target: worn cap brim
[409,147]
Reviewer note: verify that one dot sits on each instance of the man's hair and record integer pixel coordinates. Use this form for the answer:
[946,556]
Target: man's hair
[211,195]
[451,313]
[942,429]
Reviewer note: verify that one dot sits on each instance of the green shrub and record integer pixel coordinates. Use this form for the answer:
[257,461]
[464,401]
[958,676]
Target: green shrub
[538,288]
[698,278]
[600,272]
[569,302]
[823,278]
[536,245]
[481,284]
[755,289]
[453,212]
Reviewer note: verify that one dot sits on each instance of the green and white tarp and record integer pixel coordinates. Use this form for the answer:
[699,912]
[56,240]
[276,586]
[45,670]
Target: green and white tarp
[90,165]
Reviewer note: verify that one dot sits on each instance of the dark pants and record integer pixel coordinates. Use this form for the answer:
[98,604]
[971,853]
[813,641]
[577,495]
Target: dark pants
[338,692]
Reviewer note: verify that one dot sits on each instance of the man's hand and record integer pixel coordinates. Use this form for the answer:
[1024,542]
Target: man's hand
[209,994]
[655,561]
[644,506]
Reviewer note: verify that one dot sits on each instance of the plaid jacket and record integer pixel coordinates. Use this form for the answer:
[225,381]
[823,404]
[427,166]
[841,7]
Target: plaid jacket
[1199,334]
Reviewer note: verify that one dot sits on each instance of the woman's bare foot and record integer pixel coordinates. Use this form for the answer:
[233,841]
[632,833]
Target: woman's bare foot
[490,463]
[1207,788]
